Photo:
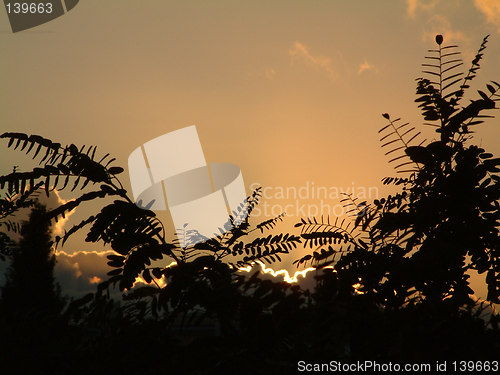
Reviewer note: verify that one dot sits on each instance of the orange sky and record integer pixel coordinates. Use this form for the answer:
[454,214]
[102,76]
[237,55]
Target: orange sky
[290,91]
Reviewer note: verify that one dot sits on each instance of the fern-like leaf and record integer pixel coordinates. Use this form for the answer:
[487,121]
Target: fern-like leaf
[397,137]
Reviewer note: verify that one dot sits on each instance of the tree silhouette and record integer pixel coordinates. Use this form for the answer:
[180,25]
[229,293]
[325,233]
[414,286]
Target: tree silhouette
[418,245]
[30,291]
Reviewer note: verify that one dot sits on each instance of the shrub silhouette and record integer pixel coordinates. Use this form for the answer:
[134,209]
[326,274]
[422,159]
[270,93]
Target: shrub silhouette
[417,245]
[399,286]
[31,302]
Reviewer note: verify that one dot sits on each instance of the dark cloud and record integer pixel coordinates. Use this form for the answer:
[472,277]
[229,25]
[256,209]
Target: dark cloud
[79,273]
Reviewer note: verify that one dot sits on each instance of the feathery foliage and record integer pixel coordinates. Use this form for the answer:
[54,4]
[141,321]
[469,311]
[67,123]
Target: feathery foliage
[419,244]
[136,235]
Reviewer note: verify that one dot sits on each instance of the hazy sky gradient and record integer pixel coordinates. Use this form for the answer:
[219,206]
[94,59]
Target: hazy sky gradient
[290,91]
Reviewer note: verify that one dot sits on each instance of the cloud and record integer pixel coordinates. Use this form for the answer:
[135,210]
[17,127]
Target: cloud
[300,52]
[95,280]
[411,8]
[365,67]
[439,24]
[491,9]
[413,5]
[160,282]
[51,202]
[304,278]
[282,274]
[78,273]
[436,23]
[267,73]
[58,228]
[270,73]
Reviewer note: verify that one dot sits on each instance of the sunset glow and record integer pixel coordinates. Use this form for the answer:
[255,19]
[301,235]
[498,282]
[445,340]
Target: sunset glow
[289,92]
[259,186]
[279,273]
